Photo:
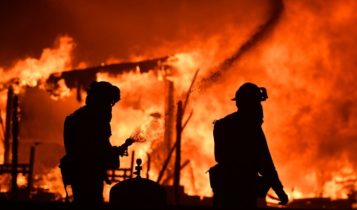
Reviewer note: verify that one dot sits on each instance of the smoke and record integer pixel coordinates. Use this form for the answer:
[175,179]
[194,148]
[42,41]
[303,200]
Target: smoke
[261,32]
[123,29]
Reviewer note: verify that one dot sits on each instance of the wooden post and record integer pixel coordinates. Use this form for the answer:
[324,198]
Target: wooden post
[31,165]
[15,141]
[7,135]
[132,164]
[148,166]
[178,152]
[169,114]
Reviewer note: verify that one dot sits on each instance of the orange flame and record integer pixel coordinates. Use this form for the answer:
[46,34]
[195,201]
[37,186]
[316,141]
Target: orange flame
[32,72]
[309,116]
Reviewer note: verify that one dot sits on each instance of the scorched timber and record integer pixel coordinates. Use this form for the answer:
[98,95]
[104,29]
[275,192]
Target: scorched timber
[83,77]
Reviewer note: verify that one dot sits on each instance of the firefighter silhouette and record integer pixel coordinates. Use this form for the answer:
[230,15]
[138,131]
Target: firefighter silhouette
[88,150]
[244,169]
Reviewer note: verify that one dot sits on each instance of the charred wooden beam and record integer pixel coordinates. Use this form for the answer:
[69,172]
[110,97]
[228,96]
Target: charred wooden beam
[179,128]
[83,77]
[165,164]
[132,164]
[169,114]
[31,167]
[21,168]
[15,141]
[183,165]
[148,166]
[178,151]
[7,135]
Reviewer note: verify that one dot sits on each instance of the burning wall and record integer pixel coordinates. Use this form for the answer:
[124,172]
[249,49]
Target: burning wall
[305,61]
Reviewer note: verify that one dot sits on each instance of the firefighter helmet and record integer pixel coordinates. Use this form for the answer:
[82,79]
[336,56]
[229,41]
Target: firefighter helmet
[102,92]
[250,92]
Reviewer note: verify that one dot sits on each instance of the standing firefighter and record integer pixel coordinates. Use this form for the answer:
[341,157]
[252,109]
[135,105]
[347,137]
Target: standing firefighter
[88,150]
[242,154]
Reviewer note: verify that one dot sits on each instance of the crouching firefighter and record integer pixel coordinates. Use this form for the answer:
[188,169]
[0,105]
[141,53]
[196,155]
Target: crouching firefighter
[89,153]
[244,169]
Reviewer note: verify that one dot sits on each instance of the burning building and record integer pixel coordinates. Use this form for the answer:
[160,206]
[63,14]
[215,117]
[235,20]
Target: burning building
[302,52]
